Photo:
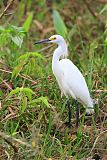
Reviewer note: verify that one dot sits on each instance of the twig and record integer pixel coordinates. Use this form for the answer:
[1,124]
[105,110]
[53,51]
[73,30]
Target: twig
[10,116]
[91,11]
[7,7]
[7,14]
[13,146]
[6,84]
[97,140]
[4,136]
[20,75]
[89,8]
[99,90]
[102,1]
[45,48]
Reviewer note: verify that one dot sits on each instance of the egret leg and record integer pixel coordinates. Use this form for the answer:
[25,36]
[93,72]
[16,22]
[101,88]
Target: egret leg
[77,114]
[69,114]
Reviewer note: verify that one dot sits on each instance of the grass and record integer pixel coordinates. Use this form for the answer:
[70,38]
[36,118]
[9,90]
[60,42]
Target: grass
[32,112]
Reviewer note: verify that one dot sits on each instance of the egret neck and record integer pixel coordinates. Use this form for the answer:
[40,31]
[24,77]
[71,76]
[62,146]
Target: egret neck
[60,52]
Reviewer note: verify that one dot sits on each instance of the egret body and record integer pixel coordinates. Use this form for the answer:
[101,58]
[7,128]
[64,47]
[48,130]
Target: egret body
[68,76]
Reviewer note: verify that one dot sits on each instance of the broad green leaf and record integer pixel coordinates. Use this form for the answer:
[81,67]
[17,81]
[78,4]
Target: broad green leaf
[44,100]
[16,28]
[18,69]
[59,24]
[28,21]
[28,92]
[24,59]
[24,104]
[41,99]
[29,55]
[17,40]
[17,90]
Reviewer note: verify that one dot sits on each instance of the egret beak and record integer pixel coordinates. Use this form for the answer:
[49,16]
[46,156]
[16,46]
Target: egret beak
[42,41]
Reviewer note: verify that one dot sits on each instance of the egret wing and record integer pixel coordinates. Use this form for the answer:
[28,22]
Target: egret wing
[74,82]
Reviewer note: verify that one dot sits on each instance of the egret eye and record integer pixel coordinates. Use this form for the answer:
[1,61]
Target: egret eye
[52,38]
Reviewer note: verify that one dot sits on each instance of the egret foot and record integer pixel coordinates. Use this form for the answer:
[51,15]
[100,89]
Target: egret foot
[89,111]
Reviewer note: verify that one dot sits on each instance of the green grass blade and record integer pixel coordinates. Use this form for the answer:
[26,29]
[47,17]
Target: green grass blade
[28,22]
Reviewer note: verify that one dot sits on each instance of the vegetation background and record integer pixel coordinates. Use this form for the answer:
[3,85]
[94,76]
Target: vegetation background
[32,112]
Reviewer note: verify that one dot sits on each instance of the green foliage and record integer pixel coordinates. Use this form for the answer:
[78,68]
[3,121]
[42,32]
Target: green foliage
[27,22]
[17,90]
[1,94]
[92,48]
[25,95]
[24,59]
[28,92]
[104,9]
[105,51]
[12,33]
[59,24]
[20,11]
[42,99]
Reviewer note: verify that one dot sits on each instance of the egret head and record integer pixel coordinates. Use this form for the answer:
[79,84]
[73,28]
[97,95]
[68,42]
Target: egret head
[56,39]
[53,39]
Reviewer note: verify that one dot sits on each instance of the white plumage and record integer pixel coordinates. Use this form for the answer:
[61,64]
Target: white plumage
[73,83]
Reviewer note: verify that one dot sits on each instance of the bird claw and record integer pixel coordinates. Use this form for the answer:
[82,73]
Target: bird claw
[89,112]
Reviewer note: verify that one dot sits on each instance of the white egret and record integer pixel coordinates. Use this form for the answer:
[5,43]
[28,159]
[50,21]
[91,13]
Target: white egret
[69,78]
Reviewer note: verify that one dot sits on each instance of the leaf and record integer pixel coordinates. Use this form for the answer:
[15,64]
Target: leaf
[24,104]
[28,21]
[44,100]
[24,59]
[18,69]
[104,9]
[17,40]
[59,24]
[28,92]
[17,29]
[17,90]
[36,54]
[39,100]
[29,55]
